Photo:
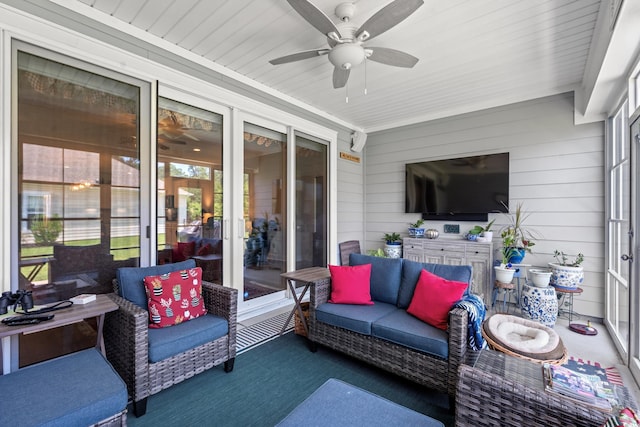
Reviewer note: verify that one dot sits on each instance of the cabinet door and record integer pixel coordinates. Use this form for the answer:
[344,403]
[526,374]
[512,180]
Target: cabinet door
[480,258]
[413,255]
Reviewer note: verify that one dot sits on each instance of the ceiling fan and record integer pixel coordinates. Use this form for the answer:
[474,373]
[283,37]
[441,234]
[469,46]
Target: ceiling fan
[345,41]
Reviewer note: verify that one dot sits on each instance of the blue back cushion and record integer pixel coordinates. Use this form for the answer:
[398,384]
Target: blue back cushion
[385,276]
[411,273]
[131,279]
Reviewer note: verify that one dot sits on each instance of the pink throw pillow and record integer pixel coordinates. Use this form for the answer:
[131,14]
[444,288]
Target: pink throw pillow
[434,297]
[174,297]
[351,284]
[205,250]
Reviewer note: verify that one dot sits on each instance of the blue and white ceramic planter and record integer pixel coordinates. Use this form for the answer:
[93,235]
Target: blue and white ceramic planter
[539,304]
[393,250]
[566,277]
[416,232]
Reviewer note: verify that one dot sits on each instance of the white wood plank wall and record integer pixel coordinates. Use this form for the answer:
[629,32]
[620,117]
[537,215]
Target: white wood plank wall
[556,170]
[350,197]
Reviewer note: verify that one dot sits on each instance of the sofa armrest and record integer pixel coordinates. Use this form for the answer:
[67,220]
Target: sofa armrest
[319,293]
[223,301]
[458,335]
[127,345]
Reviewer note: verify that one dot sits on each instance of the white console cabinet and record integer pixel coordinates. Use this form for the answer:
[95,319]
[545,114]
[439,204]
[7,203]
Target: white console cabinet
[456,252]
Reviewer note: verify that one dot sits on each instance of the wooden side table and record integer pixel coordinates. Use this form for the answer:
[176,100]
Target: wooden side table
[307,276]
[74,314]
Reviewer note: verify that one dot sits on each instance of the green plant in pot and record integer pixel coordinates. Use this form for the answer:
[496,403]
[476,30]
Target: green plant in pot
[516,236]
[482,231]
[415,228]
[393,245]
[505,271]
[566,272]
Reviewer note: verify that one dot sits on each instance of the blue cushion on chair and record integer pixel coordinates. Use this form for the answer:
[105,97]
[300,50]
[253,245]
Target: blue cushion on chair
[167,342]
[356,318]
[385,276]
[131,279]
[411,273]
[402,328]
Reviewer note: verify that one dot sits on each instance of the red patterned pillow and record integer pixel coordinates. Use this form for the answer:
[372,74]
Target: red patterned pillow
[174,297]
[351,284]
[182,251]
[433,298]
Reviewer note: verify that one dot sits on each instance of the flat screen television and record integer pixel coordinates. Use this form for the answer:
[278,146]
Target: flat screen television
[465,188]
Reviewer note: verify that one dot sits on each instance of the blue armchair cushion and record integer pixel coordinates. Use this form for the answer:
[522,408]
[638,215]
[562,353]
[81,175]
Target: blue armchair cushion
[78,389]
[385,276]
[411,273]
[131,279]
[356,318]
[167,342]
[404,329]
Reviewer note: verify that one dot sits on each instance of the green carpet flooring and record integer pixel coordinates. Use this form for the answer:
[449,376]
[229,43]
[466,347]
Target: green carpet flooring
[269,381]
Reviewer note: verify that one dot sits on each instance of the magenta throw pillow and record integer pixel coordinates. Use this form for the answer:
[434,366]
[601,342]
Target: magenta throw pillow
[174,297]
[433,298]
[351,284]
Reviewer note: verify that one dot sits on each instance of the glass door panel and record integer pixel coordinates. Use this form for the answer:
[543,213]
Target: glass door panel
[78,189]
[311,203]
[190,169]
[617,312]
[265,249]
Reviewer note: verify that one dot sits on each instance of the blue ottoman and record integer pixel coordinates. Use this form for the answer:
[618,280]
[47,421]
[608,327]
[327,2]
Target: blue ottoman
[336,403]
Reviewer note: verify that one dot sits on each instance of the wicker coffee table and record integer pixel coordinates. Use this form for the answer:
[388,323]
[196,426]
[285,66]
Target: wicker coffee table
[495,389]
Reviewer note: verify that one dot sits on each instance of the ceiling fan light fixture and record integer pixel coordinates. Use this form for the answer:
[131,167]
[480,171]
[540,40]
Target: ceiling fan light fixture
[346,55]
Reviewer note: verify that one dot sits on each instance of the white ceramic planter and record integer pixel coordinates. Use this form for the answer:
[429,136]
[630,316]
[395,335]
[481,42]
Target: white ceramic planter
[488,235]
[540,278]
[504,275]
[566,277]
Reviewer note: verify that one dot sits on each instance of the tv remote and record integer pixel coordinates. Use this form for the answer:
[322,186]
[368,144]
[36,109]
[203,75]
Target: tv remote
[26,319]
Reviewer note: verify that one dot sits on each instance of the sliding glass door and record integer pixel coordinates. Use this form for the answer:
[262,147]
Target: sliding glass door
[78,213]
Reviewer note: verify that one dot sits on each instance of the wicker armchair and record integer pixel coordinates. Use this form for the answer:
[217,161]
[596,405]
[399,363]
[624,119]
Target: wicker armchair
[126,342]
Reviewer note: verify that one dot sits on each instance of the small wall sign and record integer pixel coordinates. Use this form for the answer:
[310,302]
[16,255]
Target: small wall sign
[349,157]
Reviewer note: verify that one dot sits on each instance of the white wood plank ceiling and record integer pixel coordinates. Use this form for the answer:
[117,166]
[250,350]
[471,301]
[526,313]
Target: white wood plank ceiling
[473,54]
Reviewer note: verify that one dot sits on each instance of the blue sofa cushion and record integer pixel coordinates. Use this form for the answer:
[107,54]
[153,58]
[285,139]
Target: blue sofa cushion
[385,276]
[78,389]
[167,342]
[356,318]
[131,279]
[402,328]
[411,273]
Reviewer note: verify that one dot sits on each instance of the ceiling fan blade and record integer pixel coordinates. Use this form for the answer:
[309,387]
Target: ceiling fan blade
[340,77]
[388,17]
[299,56]
[392,57]
[314,16]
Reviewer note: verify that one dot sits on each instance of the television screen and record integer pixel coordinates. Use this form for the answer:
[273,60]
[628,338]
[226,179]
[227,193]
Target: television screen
[461,186]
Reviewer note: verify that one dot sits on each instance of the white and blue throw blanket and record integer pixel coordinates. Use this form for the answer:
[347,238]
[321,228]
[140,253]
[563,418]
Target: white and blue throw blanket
[474,305]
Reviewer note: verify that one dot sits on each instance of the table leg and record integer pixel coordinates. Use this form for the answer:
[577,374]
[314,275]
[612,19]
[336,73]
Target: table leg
[100,337]
[6,353]
[297,306]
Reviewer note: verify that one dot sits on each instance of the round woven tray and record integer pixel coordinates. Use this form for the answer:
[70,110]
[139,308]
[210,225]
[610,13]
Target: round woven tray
[560,350]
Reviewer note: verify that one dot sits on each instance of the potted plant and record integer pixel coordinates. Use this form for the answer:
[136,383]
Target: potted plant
[393,245]
[505,271]
[516,236]
[566,273]
[415,228]
[480,231]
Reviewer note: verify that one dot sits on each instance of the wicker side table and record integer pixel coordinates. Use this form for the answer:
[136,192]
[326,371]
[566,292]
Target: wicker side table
[495,389]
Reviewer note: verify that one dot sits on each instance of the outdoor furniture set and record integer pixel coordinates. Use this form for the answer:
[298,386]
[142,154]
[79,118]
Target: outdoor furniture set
[385,334]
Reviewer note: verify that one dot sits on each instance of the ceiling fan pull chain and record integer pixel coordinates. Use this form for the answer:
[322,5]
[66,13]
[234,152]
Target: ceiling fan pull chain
[365,76]
[346,90]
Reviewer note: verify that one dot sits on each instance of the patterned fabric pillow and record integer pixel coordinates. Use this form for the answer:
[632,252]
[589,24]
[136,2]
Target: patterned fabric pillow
[626,418]
[174,297]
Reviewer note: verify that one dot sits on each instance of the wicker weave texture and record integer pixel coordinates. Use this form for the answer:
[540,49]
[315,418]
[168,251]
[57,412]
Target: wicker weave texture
[517,397]
[126,342]
[422,368]
[118,420]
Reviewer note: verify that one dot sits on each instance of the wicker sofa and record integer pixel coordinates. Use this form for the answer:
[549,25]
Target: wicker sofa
[150,360]
[384,334]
